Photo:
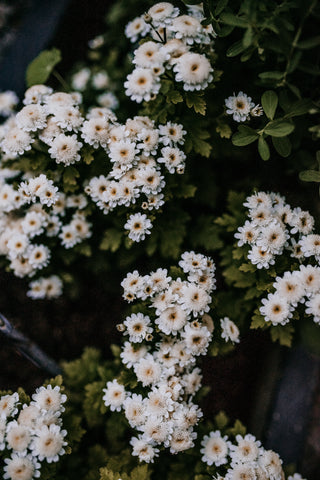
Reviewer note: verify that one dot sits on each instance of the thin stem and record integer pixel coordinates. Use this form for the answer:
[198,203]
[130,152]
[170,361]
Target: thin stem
[28,348]
[61,80]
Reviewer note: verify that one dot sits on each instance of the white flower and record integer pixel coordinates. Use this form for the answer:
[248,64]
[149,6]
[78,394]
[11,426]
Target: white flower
[147,370]
[65,149]
[134,409]
[95,131]
[137,327]
[143,449]
[239,106]
[21,467]
[114,395]
[186,28]
[194,299]
[8,100]
[215,449]
[32,118]
[172,133]
[38,256]
[49,399]
[290,287]
[310,245]
[230,330]
[173,158]
[131,354]
[100,80]
[16,141]
[197,339]
[8,405]
[141,84]
[301,222]
[171,320]
[241,471]
[18,436]
[139,226]
[273,238]
[182,439]
[310,277]
[162,13]
[260,257]
[50,287]
[246,451]
[149,54]
[80,79]
[313,307]
[36,94]
[296,476]
[108,100]
[194,70]
[276,309]
[271,463]
[135,28]
[48,443]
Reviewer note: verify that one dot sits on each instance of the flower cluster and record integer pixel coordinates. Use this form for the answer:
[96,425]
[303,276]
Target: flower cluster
[171,50]
[240,106]
[31,433]
[161,350]
[242,458]
[127,162]
[98,81]
[274,228]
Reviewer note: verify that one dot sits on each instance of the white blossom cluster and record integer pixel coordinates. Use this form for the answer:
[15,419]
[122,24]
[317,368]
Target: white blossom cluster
[241,106]
[31,433]
[133,159]
[171,50]
[162,349]
[243,458]
[272,229]
[98,82]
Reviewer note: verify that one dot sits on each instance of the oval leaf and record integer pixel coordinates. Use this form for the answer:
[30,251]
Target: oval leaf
[269,101]
[279,129]
[271,75]
[41,67]
[235,49]
[282,145]
[244,136]
[263,149]
[233,20]
[310,176]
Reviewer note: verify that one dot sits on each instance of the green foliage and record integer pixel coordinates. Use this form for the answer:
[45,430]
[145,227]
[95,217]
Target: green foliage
[40,69]
[111,240]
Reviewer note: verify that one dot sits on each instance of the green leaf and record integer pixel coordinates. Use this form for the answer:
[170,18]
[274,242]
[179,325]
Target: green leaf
[41,67]
[282,334]
[271,75]
[111,240]
[244,136]
[282,145]
[221,420]
[279,128]
[269,102]
[310,176]
[174,97]
[70,175]
[263,149]
[309,43]
[237,429]
[87,156]
[300,107]
[224,130]
[235,49]
[220,6]
[186,191]
[247,38]
[247,267]
[233,20]
[196,102]
[257,321]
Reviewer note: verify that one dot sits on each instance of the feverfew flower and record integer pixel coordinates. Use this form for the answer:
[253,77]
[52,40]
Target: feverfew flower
[114,396]
[194,70]
[230,331]
[139,226]
[239,106]
[215,449]
[48,443]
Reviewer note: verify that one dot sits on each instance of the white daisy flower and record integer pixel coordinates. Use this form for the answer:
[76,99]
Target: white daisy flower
[32,118]
[36,94]
[8,405]
[135,28]
[8,101]
[80,79]
[137,327]
[134,410]
[194,70]
[114,395]
[215,449]
[18,436]
[139,226]
[16,142]
[141,84]
[230,331]
[143,450]
[49,399]
[162,14]
[239,106]
[147,370]
[65,149]
[131,354]
[21,467]
[276,309]
[48,443]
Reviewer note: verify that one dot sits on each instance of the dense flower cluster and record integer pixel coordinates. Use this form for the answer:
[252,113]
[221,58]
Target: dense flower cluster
[161,350]
[241,106]
[96,81]
[31,433]
[171,50]
[243,458]
[132,161]
[274,228]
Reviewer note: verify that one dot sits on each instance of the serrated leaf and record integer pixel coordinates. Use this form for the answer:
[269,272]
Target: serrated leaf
[282,145]
[279,129]
[258,321]
[87,156]
[310,176]
[41,67]
[111,240]
[233,20]
[269,102]
[224,130]
[247,267]
[282,334]
[186,191]
[244,136]
[221,420]
[70,175]
[174,97]
[237,429]
[196,102]
[263,149]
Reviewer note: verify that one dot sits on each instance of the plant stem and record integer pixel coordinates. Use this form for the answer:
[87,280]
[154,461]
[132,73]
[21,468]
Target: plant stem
[28,348]
[61,80]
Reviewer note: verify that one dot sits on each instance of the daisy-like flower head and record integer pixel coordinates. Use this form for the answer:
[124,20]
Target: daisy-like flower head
[135,28]
[8,405]
[310,245]
[141,84]
[313,307]
[65,149]
[80,79]
[48,443]
[172,320]
[194,299]
[246,450]
[38,256]
[171,134]
[290,287]
[114,395]
[108,100]
[162,14]
[49,399]
[260,257]
[16,142]
[173,158]
[143,450]
[186,28]
[149,55]
[21,466]
[8,101]
[273,237]
[301,222]
[241,471]
[137,327]
[139,226]
[215,449]
[131,354]
[271,464]
[239,106]
[95,131]
[276,309]
[36,94]
[196,339]
[194,70]
[18,436]
[182,439]
[134,410]
[230,331]
[310,277]
[147,370]
[248,233]
[32,118]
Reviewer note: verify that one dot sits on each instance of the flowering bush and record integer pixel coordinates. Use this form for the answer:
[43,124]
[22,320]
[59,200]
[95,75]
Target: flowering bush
[215,106]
